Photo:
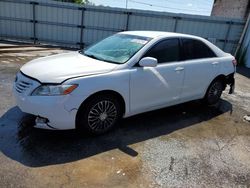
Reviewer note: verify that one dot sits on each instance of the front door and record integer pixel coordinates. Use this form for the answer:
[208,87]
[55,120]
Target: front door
[154,87]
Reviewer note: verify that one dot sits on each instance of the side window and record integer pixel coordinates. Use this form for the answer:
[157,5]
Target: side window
[195,49]
[165,51]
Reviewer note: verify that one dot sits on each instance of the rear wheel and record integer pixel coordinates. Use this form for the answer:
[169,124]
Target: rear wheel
[99,114]
[214,92]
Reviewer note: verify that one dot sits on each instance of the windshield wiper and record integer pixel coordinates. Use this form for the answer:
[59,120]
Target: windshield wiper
[92,56]
[98,58]
[109,61]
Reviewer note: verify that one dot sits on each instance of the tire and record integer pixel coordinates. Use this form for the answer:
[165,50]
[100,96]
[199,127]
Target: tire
[214,92]
[99,114]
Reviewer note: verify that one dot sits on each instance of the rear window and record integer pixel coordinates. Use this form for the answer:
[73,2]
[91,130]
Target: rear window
[195,49]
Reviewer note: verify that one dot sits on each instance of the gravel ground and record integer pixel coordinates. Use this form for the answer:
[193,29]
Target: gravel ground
[187,145]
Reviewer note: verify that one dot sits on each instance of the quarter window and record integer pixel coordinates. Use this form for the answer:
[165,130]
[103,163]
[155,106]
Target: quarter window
[165,51]
[195,49]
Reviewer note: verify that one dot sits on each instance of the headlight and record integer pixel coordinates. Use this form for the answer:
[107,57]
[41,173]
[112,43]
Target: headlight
[50,90]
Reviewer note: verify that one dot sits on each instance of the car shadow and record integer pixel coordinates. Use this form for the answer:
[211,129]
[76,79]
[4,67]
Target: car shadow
[35,148]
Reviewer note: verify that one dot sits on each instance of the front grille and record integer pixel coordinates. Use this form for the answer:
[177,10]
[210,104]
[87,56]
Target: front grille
[22,86]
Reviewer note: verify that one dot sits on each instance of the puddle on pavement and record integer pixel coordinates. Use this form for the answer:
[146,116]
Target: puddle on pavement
[68,158]
[108,169]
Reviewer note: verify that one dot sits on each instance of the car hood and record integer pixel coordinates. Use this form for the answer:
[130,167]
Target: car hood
[57,68]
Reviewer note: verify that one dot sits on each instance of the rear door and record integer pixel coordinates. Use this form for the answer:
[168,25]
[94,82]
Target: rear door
[200,68]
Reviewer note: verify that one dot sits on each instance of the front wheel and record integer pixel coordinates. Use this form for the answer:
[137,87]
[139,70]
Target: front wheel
[99,114]
[214,92]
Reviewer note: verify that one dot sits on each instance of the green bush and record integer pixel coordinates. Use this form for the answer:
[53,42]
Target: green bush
[75,1]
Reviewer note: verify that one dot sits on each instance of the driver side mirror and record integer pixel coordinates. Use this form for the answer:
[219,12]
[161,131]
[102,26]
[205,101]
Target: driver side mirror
[148,62]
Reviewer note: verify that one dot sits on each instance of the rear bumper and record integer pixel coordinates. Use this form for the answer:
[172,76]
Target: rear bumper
[231,82]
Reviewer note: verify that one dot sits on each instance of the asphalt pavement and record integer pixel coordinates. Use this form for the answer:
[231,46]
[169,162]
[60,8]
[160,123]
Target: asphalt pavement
[188,145]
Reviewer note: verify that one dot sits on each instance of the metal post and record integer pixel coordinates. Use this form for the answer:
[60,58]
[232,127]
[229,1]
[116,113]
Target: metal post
[34,20]
[82,27]
[227,35]
[176,22]
[127,22]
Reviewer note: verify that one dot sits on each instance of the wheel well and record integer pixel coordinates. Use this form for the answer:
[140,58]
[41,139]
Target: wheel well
[223,79]
[220,77]
[104,92]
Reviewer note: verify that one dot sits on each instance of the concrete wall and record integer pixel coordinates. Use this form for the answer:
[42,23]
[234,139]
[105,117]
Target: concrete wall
[230,8]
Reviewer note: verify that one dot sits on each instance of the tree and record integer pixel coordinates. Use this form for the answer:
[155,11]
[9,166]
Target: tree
[81,1]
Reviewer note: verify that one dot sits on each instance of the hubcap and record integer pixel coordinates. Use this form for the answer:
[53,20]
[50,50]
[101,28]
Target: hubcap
[102,115]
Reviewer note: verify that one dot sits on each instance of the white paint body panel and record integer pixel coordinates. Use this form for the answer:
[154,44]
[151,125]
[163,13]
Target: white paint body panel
[142,88]
[151,87]
[57,68]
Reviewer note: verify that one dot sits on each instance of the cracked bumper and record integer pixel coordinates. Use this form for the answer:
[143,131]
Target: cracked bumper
[59,110]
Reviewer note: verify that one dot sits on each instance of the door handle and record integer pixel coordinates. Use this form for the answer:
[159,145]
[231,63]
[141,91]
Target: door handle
[215,63]
[179,68]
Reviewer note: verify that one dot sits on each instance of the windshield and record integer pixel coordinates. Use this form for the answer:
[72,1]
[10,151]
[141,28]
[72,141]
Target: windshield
[118,48]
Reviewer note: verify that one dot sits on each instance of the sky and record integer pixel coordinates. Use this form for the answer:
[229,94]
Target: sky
[198,7]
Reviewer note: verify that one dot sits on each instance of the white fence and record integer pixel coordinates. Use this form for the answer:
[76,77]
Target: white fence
[73,25]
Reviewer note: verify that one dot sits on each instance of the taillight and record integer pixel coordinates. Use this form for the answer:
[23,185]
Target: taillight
[234,62]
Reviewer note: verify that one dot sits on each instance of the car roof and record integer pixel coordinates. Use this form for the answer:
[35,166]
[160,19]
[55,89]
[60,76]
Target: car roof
[160,34]
[156,34]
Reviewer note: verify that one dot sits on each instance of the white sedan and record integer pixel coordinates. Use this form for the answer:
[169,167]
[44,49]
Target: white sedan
[125,74]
